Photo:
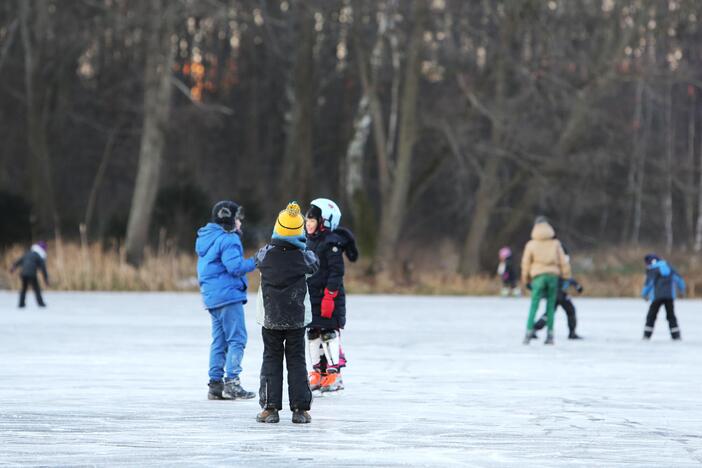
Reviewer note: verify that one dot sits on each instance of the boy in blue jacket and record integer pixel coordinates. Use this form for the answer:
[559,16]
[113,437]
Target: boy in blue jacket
[221,272]
[661,282]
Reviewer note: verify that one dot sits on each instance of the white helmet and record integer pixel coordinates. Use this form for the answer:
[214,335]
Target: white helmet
[330,212]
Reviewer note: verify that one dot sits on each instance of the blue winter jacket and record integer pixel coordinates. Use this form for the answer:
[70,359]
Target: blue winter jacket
[221,266]
[661,282]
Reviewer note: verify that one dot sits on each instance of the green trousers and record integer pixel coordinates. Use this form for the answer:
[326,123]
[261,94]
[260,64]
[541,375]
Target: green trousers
[543,286]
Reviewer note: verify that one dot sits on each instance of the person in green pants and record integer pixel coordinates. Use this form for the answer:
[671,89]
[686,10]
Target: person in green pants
[543,262]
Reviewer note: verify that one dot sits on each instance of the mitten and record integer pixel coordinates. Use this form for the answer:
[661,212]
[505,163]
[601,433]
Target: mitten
[328,303]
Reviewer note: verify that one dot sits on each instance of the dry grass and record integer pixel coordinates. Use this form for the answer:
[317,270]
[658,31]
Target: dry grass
[93,268]
[607,273]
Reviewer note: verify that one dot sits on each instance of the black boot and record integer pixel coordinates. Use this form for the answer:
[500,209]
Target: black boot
[215,392]
[268,415]
[541,323]
[234,391]
[301,417]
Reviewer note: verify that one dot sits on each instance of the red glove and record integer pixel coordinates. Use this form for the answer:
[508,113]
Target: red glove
[328,303]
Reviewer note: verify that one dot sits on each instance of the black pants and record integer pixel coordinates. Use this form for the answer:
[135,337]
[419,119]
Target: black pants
[32,281]
[291,344]
[569,308]
[669,314]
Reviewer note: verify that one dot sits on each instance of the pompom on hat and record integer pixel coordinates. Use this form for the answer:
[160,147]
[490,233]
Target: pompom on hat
[290,222]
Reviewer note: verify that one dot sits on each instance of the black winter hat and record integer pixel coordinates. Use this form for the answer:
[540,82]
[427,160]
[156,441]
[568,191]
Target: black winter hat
[225,212]
[314,212]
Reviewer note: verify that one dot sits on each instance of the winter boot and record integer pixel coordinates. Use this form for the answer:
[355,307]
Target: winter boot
[268,415]
[549,339]
[301,417]
[234,391]
[316,380]
[574,336]
[332,382]
[215,392]
[541,323]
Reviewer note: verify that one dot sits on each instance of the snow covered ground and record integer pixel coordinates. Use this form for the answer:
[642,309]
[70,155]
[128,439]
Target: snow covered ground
[120,379]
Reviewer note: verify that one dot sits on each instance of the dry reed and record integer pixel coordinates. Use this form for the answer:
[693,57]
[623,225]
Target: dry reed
[75,267]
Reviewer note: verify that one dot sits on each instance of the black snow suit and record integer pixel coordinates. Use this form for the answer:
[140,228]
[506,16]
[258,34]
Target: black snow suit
[283,310]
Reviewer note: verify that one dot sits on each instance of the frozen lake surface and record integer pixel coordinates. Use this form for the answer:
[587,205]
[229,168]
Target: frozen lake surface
[120,379]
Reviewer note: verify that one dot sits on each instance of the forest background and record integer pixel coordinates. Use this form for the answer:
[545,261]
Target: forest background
[441,127]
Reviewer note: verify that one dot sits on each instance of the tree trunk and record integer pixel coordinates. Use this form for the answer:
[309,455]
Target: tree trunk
[368,80]
[633,160]
[157,105]
[698,227]
[641,171]
[297,165]
[32,26]
[395,207]
[356,190]
[690,185]
[486,198]
[668,196]
[97,182]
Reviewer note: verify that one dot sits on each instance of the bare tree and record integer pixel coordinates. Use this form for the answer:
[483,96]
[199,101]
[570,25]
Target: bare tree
[297,165]
[395,205]
[34,23]
[157,105]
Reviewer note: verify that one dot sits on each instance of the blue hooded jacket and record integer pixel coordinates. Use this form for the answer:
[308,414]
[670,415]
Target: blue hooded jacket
[662,281]
[221,266]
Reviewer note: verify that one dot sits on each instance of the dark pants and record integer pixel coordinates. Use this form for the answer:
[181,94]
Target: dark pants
[569,309]
[669,314]
[32,281]
[291,344]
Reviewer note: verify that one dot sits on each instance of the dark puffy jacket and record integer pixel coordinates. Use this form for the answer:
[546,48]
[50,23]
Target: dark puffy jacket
[329,247]
[221,266]
[31,263]
[283,301]
[661,282]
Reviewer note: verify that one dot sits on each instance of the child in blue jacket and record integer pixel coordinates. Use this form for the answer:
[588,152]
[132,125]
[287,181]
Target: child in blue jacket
[661,283]
[221,272]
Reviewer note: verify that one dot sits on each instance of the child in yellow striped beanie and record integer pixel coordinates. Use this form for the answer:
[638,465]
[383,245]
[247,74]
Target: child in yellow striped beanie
[283,310]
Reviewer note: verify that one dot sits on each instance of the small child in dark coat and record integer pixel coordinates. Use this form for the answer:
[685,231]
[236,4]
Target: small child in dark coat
[33,261]
[283,311]
[662,281]
[508,273]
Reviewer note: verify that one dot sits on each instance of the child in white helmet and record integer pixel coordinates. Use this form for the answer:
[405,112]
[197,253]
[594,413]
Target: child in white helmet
[327,295]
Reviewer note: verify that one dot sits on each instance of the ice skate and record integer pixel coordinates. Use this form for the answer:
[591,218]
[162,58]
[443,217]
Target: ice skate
[332,382]
[530,335]
[268,415]
[574,336]
[301,417]
[549,339]
[234,391]
[315,380]
[215,391]
[675,334]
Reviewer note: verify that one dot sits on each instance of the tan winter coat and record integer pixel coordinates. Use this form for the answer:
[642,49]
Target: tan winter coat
[544,254]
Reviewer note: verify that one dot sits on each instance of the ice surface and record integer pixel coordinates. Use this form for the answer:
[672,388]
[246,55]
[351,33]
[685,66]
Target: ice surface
[120,379]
